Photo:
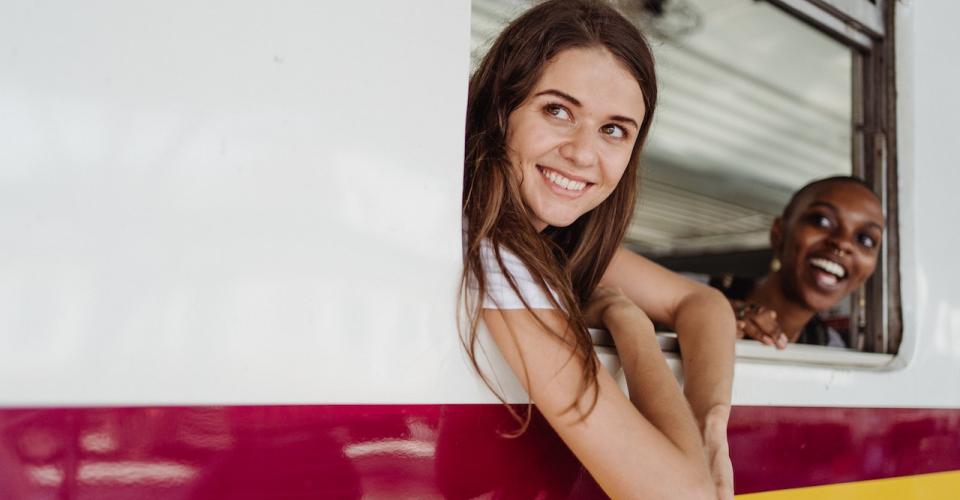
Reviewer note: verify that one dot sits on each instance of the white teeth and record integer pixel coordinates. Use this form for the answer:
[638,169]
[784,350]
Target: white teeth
[829,266]
[563,182]
[827,279]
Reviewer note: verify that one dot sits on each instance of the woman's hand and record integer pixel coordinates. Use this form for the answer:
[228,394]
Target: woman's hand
[758,323]
[718,451]
[603,300]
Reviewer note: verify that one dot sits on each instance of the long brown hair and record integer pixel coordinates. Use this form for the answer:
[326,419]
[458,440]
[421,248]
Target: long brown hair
[567,260]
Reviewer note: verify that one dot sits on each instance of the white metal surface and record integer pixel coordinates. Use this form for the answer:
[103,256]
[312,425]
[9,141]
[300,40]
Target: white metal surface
[229,201]
[250,203]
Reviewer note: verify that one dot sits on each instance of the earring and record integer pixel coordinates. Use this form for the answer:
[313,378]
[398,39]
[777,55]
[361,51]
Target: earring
[775,265]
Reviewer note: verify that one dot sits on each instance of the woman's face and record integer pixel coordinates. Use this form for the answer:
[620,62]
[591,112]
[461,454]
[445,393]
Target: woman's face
[830,243]
[571,138]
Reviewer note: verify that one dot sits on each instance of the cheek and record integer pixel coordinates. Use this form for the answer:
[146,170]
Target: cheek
[527,137]
[803,239]
[867,265]
[518,152]
[516,135]
[794,253]
[792,248]
[513,145]
[616,168]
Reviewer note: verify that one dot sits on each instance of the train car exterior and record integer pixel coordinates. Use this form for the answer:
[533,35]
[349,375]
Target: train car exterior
[230,248]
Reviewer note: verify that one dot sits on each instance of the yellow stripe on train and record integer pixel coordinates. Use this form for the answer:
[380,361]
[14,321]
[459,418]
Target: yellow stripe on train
[937,486]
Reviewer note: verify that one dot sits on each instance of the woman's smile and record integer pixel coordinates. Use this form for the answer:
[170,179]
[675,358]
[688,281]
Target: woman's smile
[566,185]
[826,274]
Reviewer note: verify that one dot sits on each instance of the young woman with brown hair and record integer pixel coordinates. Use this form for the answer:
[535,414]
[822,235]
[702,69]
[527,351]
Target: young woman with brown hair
[557,114]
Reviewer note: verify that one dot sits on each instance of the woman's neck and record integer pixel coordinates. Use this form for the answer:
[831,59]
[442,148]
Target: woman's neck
[791,315]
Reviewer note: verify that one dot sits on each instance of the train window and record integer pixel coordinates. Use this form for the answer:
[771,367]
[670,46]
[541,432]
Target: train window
[756,100]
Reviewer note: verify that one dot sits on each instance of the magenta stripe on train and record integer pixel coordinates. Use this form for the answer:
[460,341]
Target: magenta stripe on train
[455,451]
[783,447]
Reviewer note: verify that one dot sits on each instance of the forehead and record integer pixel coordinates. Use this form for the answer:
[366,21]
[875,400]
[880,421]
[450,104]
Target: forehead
[596,78]
[852,200]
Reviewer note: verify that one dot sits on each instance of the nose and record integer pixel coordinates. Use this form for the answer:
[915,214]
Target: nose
[580,148]
[841,242]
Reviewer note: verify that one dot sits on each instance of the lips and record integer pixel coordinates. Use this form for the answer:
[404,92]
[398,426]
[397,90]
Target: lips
[563,183]
[827,273]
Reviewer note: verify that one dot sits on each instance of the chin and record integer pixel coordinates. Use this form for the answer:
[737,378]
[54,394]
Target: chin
[561,221]
[556,218]
[819,302]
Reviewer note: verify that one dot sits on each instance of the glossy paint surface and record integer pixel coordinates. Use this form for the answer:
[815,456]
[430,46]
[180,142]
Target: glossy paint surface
[226,204]
[782,447]
[209,203]
[242,205]
[423,451]
[282,452]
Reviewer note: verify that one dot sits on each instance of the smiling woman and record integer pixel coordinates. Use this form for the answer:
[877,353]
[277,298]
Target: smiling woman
[557,114]
[825,245]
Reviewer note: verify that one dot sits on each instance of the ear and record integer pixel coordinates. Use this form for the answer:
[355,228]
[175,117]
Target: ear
[776,235]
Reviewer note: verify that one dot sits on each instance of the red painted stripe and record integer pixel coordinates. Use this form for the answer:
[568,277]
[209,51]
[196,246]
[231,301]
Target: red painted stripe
[282,452]
[782,447]
[418,450]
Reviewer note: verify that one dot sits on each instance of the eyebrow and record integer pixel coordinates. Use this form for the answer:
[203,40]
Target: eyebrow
[576,102]
[834,210]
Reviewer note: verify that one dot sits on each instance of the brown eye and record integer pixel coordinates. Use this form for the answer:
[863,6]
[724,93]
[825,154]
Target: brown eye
[557,111]
[820,220]
[867,241]
[613,130]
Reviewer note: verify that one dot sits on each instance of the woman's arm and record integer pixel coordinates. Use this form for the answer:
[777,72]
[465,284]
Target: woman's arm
[700,315]
[652,453]
[644,368]
[706,330]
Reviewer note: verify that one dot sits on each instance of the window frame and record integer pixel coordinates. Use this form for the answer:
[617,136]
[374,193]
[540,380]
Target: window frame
[867,27]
